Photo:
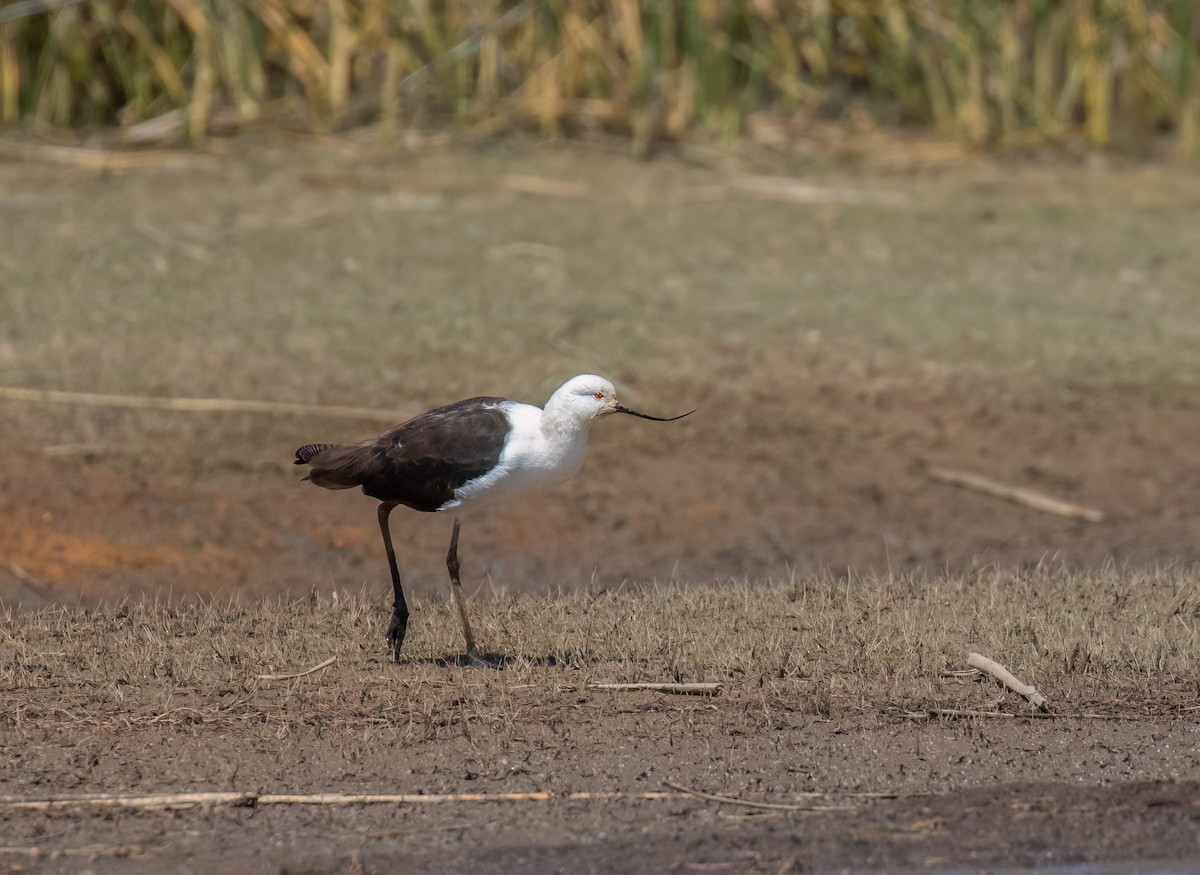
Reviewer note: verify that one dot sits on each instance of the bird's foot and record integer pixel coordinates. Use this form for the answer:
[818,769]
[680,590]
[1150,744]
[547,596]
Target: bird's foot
[395,633]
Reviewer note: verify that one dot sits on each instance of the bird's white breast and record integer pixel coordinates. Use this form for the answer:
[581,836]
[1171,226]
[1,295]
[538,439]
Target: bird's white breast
[531,460]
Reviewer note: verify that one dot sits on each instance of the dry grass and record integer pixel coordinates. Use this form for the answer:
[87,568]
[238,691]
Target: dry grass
[1118,643]
[985,72]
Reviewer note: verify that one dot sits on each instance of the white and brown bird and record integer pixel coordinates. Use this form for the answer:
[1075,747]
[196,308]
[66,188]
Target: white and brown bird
[473,453]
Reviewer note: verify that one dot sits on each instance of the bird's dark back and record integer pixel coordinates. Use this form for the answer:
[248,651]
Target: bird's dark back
[423,461]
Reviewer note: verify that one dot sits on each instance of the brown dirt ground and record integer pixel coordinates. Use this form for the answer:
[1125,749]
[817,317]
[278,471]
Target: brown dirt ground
[982,794]
[1024,798]
[829,475]
[857,499]
[149,698]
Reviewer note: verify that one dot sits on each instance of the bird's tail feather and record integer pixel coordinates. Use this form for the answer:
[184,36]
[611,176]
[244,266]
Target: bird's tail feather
[341,466]
[308,452]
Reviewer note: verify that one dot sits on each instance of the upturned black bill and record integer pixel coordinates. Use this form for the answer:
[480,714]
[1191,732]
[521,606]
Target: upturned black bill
[621,408]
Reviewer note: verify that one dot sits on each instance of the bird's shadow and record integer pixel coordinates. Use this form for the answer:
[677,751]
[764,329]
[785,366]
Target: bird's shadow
[499,661]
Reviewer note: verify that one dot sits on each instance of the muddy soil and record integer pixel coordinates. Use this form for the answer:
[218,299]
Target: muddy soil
[985,795]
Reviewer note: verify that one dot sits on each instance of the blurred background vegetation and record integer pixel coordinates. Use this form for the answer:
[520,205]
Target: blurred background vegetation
[988,72]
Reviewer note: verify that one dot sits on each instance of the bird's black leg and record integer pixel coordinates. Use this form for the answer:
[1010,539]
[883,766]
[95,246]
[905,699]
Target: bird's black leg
[456,595]
[399,624]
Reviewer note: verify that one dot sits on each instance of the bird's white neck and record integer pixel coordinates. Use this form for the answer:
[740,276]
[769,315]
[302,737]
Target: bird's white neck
[563,422]
[559,429]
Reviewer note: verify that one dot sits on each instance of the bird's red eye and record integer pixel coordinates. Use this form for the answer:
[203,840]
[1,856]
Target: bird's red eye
[599,395]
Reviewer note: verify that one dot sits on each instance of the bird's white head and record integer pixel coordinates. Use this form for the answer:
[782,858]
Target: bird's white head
[587,397]
[584,398]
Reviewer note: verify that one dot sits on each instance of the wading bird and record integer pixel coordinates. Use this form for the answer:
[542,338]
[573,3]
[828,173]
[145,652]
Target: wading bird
[473,453]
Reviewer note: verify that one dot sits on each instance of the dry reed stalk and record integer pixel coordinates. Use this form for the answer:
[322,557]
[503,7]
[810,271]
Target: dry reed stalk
[10,78]
[159,59]
[389,101]
[342,44]
[1188,77]
[306,60]
[986,71]
[1044,72]
[203,79]
[1094,78]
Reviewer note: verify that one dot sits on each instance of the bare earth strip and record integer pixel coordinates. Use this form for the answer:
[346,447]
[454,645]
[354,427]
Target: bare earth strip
[820,738]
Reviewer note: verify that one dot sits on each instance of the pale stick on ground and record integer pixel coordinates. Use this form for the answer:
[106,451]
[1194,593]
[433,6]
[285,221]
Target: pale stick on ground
[247,799]
[746,803]
[692,689]
[296,674]
[197,405]
[1017,494]
[996,670]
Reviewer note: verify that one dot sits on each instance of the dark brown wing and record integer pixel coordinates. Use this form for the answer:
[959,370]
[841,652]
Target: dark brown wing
[422,462]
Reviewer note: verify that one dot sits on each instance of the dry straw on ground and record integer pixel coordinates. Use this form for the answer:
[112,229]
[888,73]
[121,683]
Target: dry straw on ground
[820,647]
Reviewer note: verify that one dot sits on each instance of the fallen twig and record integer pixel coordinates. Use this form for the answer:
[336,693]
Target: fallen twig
[104,160]
[410,799]
[191,250]
[1016,494]
[771,806]
[694,689]
[26,578]
[61,450]
[525,248]
[132,851]
[996,670]
[236,799]
[297,674]
[196,405]
[32,583]
[781,188]
[541,185]
[158,718]
[155,801]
